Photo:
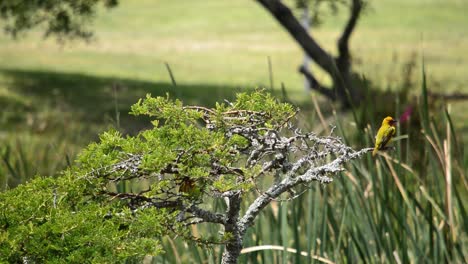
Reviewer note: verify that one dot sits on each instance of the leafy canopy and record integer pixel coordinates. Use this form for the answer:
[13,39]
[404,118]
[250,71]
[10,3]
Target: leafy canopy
[64,19]
[126,192]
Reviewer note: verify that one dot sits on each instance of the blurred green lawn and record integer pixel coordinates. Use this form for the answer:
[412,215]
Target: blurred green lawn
[215,47]
[56,98]
[227,42]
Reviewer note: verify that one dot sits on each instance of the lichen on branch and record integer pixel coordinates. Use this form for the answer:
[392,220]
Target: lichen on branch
[216,168]
[194,156]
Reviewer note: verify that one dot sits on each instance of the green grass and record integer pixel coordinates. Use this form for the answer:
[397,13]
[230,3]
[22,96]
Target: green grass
[394,208]
[227,43]
[57,98]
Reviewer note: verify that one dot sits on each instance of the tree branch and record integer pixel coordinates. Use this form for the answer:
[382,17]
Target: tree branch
[338,69]
[315,85]
[456,96]
[145,202]
[313,174]
[234,246]
[343,47]
[207,216]
[286,18]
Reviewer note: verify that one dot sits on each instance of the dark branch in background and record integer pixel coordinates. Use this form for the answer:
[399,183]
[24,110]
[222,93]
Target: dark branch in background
[337,68]
[286,18]
[456,96]
[343,59]
[315,85]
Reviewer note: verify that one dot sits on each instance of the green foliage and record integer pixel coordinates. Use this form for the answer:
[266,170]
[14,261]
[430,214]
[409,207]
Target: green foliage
[22,156]
[56,220]
[85,215]
[61,18]
[178,145]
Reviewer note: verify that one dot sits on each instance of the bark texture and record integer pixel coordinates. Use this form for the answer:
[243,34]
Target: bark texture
[339,68]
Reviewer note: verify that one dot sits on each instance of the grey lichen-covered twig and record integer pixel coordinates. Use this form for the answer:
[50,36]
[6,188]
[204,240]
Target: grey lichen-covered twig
[313,174]
[251,145]
[322,174]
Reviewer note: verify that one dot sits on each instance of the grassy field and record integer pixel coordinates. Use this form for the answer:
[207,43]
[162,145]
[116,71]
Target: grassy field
[227,43]
[220,45]
[56,98]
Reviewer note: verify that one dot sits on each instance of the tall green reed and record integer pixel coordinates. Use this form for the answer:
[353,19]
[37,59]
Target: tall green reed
[404,206]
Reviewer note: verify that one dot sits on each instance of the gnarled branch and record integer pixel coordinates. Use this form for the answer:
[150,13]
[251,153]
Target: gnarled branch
[315,85]
[313,174]
[286,18]
[337,68]
[343,59]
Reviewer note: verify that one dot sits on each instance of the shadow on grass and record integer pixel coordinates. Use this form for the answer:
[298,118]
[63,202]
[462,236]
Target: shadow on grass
[94,98]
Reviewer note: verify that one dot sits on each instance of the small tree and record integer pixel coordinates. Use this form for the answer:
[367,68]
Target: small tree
[338,68]
[192,158]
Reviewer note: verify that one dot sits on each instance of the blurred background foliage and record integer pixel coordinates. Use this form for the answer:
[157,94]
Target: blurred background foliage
[404,206]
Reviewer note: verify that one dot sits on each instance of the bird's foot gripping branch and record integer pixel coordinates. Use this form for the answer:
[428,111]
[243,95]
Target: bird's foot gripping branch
[239,156]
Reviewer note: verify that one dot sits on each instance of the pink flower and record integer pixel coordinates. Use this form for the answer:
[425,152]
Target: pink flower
[407,114]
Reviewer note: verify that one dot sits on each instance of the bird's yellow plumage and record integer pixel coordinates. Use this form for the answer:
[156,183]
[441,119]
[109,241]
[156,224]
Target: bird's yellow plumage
[189,187]
[385,134]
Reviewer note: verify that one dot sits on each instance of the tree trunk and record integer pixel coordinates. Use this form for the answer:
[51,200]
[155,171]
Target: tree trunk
[286,18]
[343,62]
[305,21]
[233,248]
[339,69]
[232,251]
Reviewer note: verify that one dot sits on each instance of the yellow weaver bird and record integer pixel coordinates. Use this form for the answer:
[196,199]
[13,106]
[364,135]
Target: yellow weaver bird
[189,187]
[385,134]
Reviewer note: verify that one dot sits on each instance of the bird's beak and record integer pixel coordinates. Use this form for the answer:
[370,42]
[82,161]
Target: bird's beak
[394,121]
